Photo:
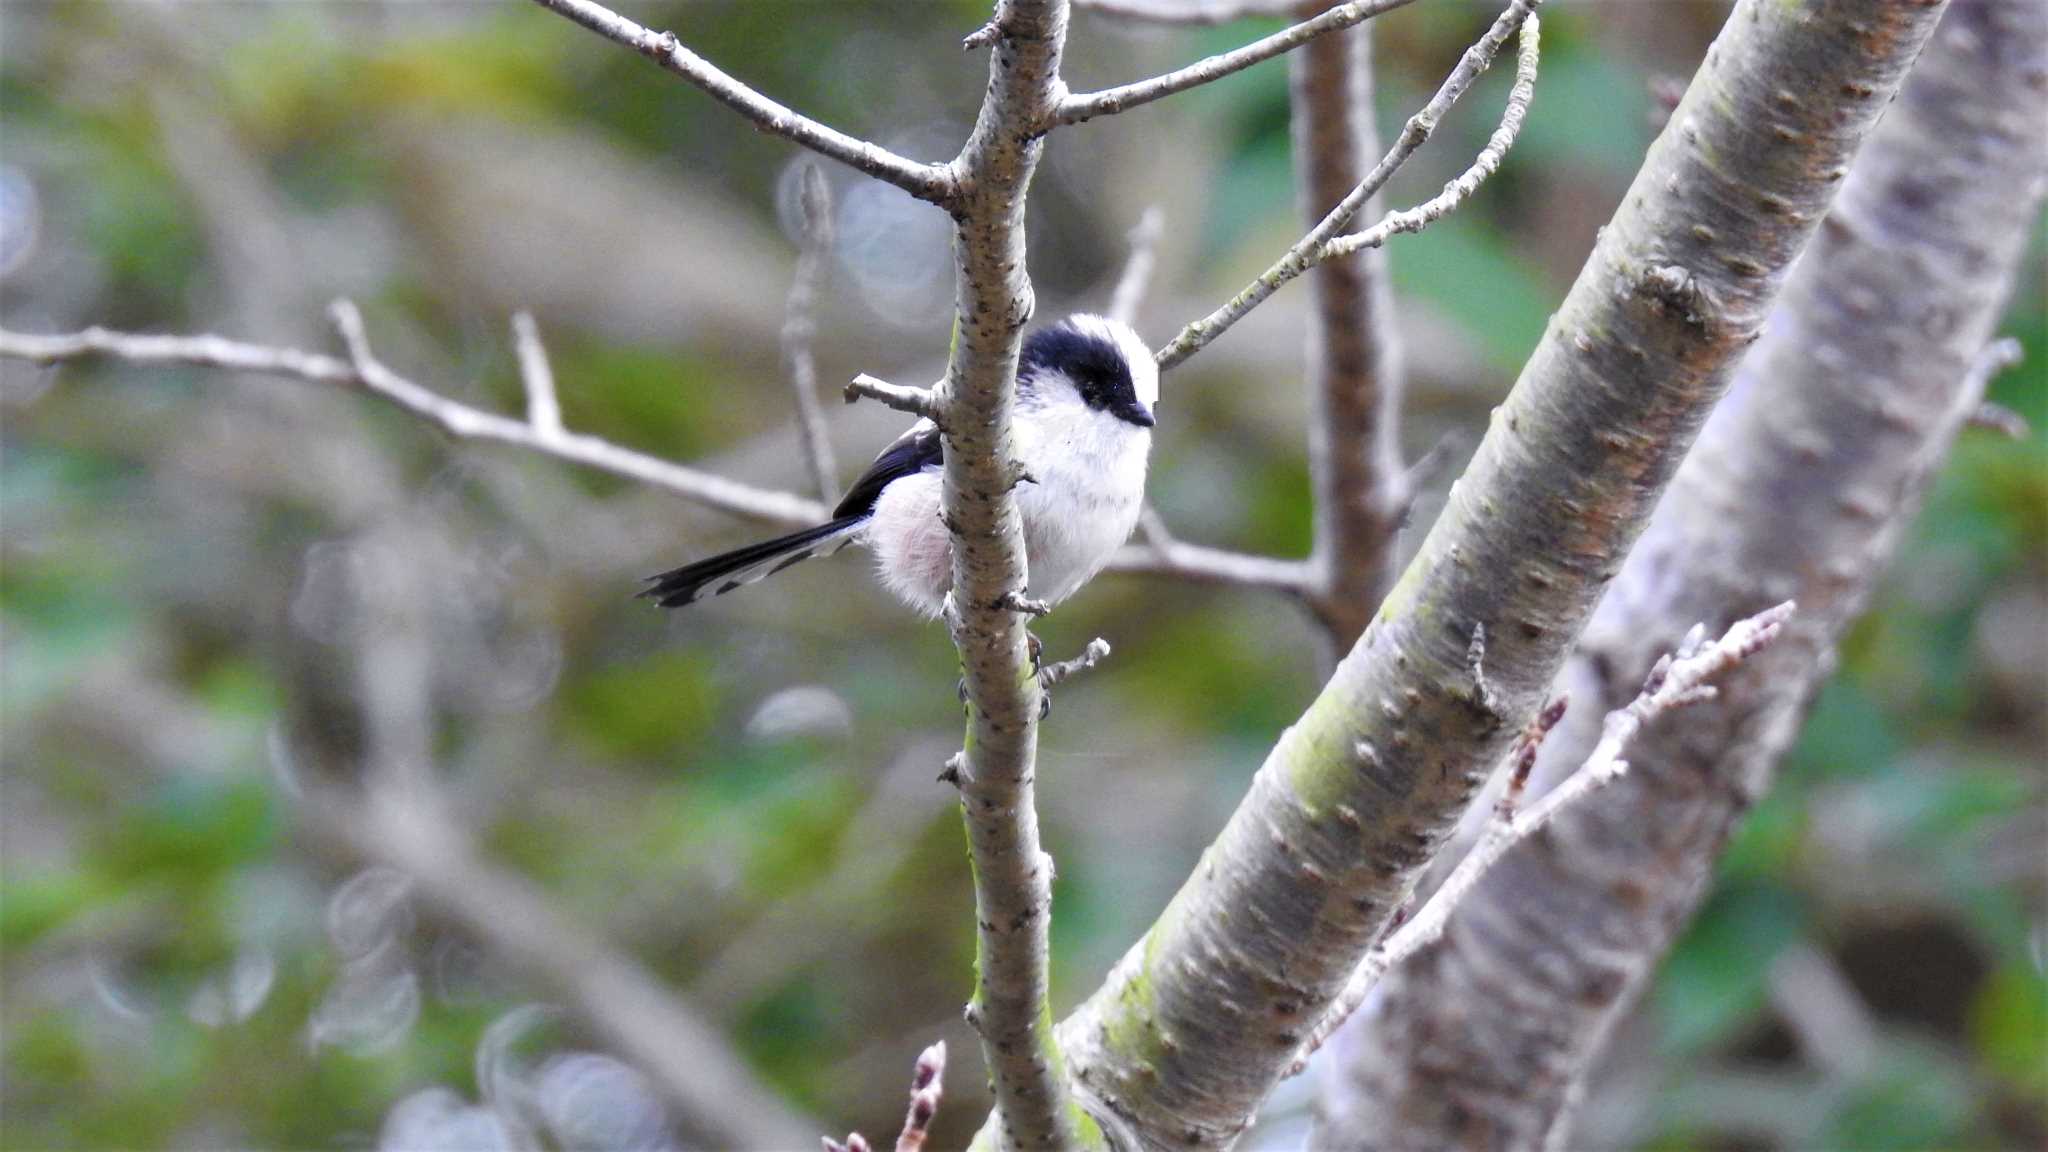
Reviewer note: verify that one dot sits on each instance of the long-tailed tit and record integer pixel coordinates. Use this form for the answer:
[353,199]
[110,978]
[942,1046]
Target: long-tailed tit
[1082,430]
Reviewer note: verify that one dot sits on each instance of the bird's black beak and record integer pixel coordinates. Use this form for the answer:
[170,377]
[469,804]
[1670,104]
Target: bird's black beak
[1136,413]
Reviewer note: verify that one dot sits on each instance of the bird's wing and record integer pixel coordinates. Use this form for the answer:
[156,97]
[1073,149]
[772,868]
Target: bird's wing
[907,455]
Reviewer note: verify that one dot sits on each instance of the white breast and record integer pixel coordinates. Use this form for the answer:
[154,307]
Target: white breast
[1089,473]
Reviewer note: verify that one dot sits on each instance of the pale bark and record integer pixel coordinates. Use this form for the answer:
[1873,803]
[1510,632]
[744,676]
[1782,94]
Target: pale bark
[1198,1020]
[1797,488]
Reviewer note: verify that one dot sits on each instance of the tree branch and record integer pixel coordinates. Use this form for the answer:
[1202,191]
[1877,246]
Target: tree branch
[1012,874]
[1081,106]
[920,402]
[931,182]
[1200,1018]
[1679,680]
[1834,425]
[1484,165]
[1136,278]
[458,420]
[1354,369]
[618,998]
[800,328]
[1310,249]
[1196,12]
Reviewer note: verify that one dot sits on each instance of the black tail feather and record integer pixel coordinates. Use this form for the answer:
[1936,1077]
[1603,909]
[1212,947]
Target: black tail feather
[717,575]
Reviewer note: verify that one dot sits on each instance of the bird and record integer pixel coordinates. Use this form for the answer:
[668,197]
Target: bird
[1082,432]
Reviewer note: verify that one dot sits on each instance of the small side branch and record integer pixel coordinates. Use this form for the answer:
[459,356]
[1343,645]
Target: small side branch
[459,420]
[1082,106]
[929,182]
[916,401]
[1200,564]
[800,329]
[927,1087]
[1678,680]
[1189,12]
[1095,653]
[537,376]
[1137,274]
[1313,248]
[1486,164]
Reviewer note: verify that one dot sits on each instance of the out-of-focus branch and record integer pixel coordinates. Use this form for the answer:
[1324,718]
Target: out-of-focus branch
[1200,1018]
[1803,478]
[800,328]
[1136,278]
[1353,357]
[1080,106]
[1681,679]
[458,420]
[1313,248]
[1200,564]
[1194,12]
[685,1057]
[932,182]
[537,376]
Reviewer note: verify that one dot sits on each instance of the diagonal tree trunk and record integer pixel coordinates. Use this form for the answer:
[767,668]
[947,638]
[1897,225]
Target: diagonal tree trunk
[1198,1020]
[1799,485]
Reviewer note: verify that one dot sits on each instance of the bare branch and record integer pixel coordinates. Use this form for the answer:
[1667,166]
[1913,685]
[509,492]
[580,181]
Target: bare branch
[932,182]
[927,1088]
[1189,12]
[1137,273]
[616,996]
[800,328]
[1199,564]
[1200,1018]
[459,420]
[1675,684]
[1835,426]
[1081,106]
[993,302]
[1310,248]
[1997,356]
[916,401]
[543,408]
[1354,372]
[1095,653]
[1488,162]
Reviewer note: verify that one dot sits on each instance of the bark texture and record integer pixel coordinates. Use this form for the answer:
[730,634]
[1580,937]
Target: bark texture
[1798,486]
[1199,1019]
[1354,371]
[1012,874]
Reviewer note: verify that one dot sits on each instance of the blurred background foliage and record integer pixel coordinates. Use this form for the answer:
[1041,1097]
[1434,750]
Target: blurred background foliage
[741,795]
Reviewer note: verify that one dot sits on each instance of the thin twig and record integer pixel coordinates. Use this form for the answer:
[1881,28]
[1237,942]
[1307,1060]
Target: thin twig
[916,401]
[1199,564]
[927,1088]
[1996,357]
[543,408]
[459,420]
[1486,164]
[1310,248]
[931,182]
[1677,681]
[1081,106]
[1189,12]
[800,328]
[1138,265]
[1095,653]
